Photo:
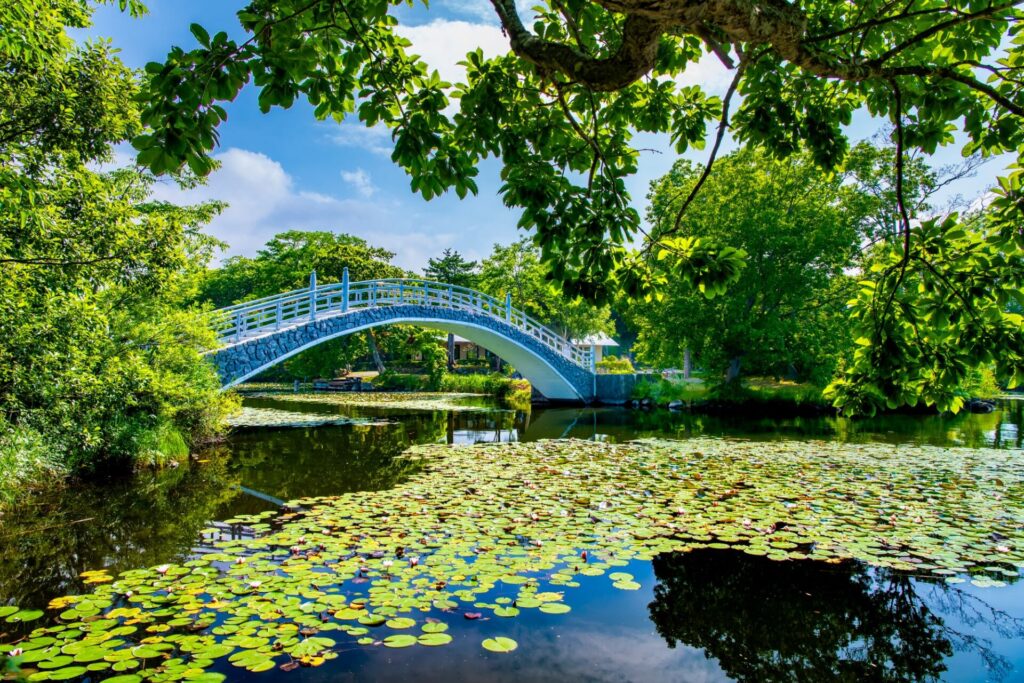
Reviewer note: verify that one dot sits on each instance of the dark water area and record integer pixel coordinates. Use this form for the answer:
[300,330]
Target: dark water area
[706,615]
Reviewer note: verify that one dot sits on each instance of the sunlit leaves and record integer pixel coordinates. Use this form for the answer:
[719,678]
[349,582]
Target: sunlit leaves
[933,315]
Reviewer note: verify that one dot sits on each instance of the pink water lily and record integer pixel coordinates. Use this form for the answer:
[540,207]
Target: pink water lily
[16,652]
[163,569]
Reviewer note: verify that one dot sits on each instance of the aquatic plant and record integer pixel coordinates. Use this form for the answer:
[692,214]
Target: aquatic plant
[373,399]
[497,529]
[250,416]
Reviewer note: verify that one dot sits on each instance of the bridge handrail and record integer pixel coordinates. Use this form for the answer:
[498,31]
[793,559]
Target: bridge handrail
[250,318]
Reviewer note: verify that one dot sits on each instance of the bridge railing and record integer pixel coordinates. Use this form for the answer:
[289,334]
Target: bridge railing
[262,316]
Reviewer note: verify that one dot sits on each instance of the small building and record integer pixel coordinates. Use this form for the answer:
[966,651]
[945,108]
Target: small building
[467,350]
[598,342]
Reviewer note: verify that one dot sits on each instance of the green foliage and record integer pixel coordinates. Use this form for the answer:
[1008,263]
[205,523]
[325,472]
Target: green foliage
[784,312]
[26,461]
[98,359]
[661,391]
[982,383]
[938,308]
[562,110]
[452,269]
[518,269]
[493,384]
[400,381]
[613,365]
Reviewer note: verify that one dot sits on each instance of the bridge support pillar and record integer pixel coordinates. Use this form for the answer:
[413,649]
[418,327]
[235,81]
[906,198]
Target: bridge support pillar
[344,289]
[508,306]
[312,295]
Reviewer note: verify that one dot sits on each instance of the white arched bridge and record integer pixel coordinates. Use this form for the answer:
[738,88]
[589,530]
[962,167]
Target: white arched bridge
[259,334]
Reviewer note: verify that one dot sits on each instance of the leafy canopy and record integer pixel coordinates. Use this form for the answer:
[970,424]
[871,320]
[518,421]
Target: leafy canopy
[561,110]
[98,359]
[786,312]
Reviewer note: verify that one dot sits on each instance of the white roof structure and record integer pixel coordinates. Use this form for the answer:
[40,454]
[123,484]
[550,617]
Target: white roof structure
[601,339]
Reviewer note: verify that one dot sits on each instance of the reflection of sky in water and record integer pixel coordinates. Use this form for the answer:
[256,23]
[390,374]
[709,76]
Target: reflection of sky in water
[471,436]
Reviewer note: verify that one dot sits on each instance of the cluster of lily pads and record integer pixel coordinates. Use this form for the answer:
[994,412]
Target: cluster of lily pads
[250,416]
[430,401]
[490,531]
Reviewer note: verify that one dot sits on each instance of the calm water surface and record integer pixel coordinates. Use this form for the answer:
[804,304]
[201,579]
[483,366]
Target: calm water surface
[708,615]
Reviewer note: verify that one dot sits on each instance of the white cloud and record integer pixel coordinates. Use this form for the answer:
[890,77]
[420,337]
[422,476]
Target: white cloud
[478,9]
[709,73]
[263,201]
[360,180]
[442,44]
[376,139]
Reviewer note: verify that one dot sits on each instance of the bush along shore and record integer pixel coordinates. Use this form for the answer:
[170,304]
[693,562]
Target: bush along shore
[771,398]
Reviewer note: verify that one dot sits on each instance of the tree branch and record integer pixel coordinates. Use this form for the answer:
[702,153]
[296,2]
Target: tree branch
[635,56]
[722,125]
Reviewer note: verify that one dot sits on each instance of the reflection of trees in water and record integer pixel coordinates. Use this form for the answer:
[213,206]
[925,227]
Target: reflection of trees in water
[765,620]
[1003,428]
[121,524]
[297,462]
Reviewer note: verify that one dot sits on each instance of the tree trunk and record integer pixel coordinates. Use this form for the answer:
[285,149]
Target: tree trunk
[687,364]
[451,351]
[733,373]
[371,341]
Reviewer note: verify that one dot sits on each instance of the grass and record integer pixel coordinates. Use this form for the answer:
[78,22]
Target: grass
[662,391]
[515,392]
[27,462]
[759,394]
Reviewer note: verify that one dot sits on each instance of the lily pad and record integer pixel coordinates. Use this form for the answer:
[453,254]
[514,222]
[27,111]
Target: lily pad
[500,644]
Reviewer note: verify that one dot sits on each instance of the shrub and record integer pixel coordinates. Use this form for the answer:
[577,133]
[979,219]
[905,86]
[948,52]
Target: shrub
[613,365]
[982,384]
[516,392]
[661,390]
[27,460]
[390,380]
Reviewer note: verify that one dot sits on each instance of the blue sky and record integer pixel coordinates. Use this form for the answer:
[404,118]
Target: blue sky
[285,170]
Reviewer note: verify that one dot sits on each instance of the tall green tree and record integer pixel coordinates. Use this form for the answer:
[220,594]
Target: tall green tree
[561,110]
[99,360]
[453,269]
[517,269]
[785,314]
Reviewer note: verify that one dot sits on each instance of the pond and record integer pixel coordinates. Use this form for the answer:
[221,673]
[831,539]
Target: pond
[566,550]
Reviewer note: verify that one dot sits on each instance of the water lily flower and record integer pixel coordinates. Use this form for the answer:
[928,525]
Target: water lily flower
[387,563]
[413,561]
[163,569]
[255,584]
[16,652]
